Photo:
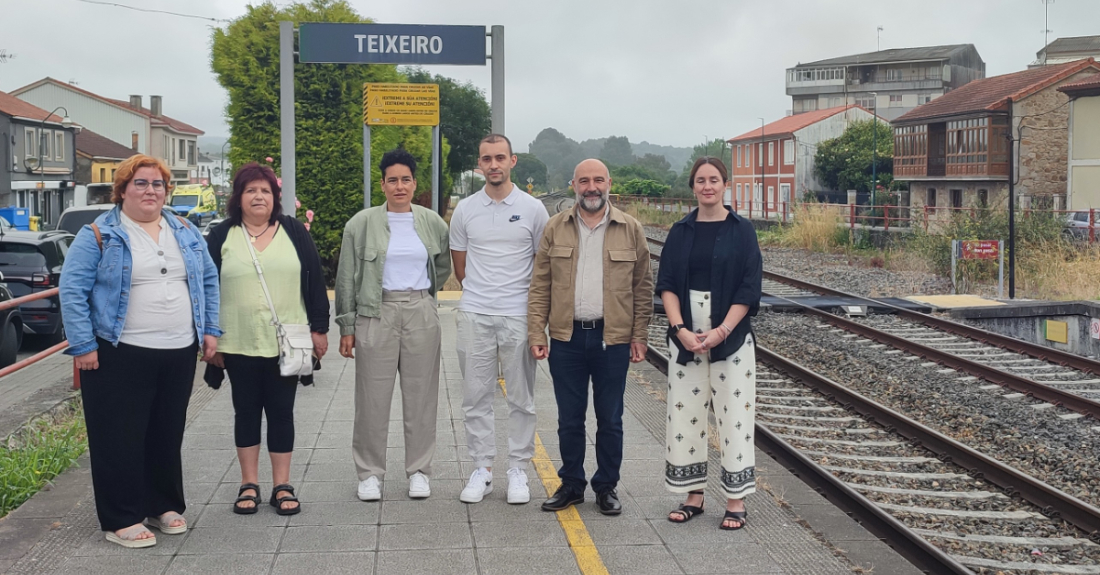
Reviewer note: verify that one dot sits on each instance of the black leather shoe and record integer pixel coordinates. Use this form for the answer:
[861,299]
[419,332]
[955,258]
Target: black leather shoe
[562,498]
[608,502]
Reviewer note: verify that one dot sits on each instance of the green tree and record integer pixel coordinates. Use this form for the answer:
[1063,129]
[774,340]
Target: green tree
[845,163]
[328,116]
[655,162]
[616,151]
[717,148]
[640,187]
[464,119]
[529,166]
[559,153]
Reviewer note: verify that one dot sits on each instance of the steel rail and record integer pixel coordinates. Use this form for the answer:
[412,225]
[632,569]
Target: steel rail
[1044,353]
[1052,501]
[898,536]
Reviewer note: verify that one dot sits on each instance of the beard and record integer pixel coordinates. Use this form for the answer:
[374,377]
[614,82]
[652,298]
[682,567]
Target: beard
[496,179]
[593,203]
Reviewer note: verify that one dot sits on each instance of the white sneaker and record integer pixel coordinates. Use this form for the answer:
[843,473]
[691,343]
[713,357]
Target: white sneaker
[418,486]
[480,485]
[518,492]
[370,489]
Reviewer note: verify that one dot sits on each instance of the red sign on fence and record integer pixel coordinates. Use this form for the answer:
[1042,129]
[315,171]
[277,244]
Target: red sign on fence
[979,249]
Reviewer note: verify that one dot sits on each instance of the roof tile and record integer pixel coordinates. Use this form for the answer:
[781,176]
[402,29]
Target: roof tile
[96,146]
[791,124]
[13,106]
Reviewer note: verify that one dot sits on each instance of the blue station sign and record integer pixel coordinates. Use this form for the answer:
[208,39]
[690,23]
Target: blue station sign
[342,43]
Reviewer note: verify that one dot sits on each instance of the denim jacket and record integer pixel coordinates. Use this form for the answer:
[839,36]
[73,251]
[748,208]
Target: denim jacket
[95,284]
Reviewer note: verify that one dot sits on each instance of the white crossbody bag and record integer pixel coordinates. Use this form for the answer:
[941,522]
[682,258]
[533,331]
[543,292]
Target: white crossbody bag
[294,339]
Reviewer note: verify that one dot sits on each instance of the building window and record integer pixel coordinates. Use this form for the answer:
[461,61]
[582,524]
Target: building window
[983,198]
[866,102]
[771,153]
[102,175]
[894,75]
[191,160]
[739,198]
[785,193]
[113,174]
[46,141]
[788,151]
[738,154]
[167,149]
[930,201]
[956,198]
[183,150]
[895,100]
[924,98]
[30,143]
[59,146]
[760,155]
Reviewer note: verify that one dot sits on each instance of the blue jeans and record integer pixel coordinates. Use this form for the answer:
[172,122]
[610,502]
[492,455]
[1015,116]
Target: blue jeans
[572,363]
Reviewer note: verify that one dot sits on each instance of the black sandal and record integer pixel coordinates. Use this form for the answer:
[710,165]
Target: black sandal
[736,516]
[277,502]
[255,499]
[687,511]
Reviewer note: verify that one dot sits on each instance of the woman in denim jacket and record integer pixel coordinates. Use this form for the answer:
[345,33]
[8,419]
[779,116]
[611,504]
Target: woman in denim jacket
[139,294]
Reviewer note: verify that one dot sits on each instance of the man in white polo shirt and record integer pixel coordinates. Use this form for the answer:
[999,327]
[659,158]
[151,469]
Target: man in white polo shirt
[494,236]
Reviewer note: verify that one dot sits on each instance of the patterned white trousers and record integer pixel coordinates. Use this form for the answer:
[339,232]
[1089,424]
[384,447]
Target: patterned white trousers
[728,388]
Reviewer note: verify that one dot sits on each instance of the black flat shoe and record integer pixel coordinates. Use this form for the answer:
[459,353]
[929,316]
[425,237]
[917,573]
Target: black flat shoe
[738,516]
[685,512]
[608,503]
[562,499]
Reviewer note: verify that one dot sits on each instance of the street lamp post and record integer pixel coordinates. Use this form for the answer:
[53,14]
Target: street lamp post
[874,149]
[760,160]
[223,176]
[37,163]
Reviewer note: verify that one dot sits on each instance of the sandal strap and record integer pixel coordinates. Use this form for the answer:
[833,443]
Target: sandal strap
[283,487]
[131,533]
[247,486]
[737,515]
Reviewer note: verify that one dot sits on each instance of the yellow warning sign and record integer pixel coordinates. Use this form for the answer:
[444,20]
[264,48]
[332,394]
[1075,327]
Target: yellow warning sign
[387,104]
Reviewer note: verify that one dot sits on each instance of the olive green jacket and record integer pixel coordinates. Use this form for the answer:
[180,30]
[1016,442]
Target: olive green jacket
[363,257]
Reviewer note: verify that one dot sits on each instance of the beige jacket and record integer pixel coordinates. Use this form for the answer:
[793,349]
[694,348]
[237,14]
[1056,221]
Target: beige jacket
[627,281]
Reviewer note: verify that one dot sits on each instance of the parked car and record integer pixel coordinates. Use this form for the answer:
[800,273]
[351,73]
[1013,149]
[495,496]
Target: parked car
[1077,226]
[11,328]
[213,224]
[31,262]
[76,217]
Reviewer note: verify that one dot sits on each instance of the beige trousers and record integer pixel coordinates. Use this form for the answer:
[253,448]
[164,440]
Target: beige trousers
[405,340]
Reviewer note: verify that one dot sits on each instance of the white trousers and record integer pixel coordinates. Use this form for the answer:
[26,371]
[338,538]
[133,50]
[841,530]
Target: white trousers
[482,339]
[728,388]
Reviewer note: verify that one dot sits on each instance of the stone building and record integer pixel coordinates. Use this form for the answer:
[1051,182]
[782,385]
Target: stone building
[954,151]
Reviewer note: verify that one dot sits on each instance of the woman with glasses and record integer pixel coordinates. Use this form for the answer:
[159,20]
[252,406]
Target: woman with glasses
[139,297]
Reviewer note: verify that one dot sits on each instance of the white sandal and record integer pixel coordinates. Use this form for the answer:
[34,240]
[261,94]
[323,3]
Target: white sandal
[164,522]
[128,537]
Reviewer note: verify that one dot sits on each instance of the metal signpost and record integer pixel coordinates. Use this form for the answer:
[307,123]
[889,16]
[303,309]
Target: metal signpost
[980,250]
[401,105]
[348,43]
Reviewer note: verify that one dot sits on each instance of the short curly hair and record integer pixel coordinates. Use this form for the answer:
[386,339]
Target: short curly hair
[124,174]
[395,157]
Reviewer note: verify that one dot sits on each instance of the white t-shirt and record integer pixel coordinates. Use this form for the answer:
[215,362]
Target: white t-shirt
[158,315]
[406,266]
[500,240]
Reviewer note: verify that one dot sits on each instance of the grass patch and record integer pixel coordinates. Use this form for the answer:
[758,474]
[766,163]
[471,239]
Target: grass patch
[815,228]
[39,452]
[652,217]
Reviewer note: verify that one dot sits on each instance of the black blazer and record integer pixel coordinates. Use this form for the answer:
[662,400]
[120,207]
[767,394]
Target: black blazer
[735,277]
[314,292]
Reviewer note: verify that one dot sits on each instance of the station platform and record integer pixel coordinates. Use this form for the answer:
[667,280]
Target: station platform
[791,529]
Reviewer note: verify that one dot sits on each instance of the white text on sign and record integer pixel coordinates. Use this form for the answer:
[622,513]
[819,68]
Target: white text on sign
[399,44]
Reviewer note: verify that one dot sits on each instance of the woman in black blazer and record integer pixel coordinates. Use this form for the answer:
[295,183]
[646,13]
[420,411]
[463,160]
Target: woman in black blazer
[709,282]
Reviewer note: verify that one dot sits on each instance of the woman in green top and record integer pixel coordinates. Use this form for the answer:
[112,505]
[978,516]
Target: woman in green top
[249,350]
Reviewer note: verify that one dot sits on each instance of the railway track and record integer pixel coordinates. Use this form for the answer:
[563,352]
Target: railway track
[944,506]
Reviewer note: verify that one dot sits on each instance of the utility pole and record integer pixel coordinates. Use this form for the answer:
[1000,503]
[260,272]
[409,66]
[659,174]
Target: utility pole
[1046,27]
[874,149]
[1011,206]
[878,38]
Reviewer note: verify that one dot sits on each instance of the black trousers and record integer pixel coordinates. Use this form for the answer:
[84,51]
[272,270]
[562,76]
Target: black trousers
[135,407]
[258,388]
[573,364]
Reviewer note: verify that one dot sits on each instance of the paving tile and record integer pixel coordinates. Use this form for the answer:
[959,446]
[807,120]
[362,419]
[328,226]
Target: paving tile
[638,560]
[491,510]
[222,515]
[436,562]
[321,455]
[624,532]
[330,538]
[356,563]
[135,563]
[310,492]
[344,471]
[734,558]
[424,511]
[424,536]
[96,545]
[529,561]
[235,563]
[512,534]
[337,513]
[202,541]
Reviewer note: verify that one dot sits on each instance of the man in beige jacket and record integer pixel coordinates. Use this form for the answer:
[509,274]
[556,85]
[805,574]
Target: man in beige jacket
[593,285]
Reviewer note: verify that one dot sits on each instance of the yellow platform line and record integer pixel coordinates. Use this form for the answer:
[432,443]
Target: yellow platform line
[576,533]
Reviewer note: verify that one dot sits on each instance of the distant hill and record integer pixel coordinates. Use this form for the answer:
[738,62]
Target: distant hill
[212,145]
[677,157]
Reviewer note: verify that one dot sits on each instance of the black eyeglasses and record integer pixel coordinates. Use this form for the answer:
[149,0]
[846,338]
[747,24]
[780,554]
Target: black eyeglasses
[142,185]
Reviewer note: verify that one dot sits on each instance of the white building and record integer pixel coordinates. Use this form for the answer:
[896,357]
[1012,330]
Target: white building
[128,123]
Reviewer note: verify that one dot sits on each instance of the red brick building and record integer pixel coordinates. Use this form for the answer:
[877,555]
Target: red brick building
[774,164]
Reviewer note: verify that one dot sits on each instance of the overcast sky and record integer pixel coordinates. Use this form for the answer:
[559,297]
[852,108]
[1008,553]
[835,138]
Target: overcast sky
[668,72]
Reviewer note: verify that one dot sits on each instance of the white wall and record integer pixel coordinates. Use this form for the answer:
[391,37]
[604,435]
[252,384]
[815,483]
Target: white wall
[104,119]
[807,138]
